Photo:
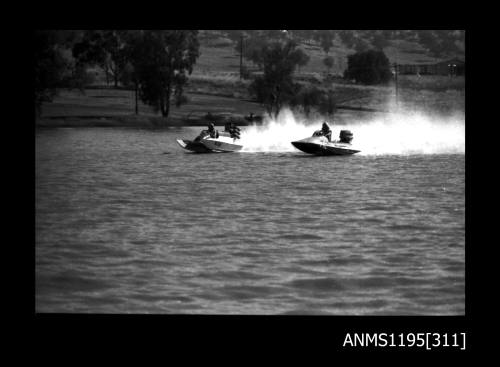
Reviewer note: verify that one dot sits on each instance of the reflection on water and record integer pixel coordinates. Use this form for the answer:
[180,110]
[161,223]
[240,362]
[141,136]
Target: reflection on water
[121,226]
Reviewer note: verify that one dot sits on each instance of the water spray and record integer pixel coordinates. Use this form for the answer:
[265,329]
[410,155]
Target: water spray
[394,133]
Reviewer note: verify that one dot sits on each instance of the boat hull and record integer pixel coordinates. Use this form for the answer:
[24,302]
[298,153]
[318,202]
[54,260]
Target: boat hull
[222,144]
[193,146]
[321,146]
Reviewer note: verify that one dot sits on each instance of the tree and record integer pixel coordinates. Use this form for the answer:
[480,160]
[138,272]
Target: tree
[360,45]
[379,40]
[307,99]
[129,79]
[129,76]
[233,35]
[274,34]
[347,38]
[276,87]
[236,37]
[442,42]
[161,60]
[303,36]
[300,58]
[387,34]
[429,40]
[48,67]
[54,66]
[254,43]
[325,39]
[105,48]
[447,42]
[328,104]
[252,46]
[328,62]
[369,67]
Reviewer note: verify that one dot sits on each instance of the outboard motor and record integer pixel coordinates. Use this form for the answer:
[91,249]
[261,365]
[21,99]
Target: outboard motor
[345,136]
[234,131]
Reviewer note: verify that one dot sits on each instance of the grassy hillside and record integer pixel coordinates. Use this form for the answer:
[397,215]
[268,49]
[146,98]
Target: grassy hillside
[219,55]
[215,87]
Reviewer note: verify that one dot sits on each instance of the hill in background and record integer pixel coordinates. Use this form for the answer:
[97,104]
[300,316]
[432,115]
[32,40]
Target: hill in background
[220,54]
[216,88]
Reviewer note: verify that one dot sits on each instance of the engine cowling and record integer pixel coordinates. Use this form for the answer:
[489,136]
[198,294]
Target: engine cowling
[346,136]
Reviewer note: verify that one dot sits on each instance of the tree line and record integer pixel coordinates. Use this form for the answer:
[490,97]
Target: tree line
[438,43]
[156,62]
[277,87]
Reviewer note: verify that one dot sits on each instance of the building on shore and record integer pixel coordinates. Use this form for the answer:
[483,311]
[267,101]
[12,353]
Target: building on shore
[451,67]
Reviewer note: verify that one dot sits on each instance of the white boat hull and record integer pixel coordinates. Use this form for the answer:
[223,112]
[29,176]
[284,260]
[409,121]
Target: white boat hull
[223,144]
[319,145]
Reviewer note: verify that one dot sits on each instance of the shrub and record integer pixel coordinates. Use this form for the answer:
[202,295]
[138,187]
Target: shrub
[307,98]
[368,67]
[245,73]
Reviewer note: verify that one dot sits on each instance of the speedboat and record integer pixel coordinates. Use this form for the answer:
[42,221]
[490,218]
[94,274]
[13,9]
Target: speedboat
[318,144]
[204,143]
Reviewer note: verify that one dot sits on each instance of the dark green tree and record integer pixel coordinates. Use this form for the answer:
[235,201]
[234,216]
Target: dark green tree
[105,48]
[252,46]
[369,67]
[300,58]
[307,98]
[129,76]
[325,39]
[52,69]
[328,104]
[255,41]
[161,59]
[387,34]
[348,38]
[441,43]
[328,62]
[380,40]
[430,41]
[275,34]
[276,87]
[235,36]
[361,45]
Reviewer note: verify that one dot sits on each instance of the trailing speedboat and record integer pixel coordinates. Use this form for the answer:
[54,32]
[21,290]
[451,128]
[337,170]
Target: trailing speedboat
[318,144]
[205,143]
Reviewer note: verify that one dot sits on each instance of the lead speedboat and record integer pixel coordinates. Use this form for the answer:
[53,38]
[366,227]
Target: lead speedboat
[224,142]
[318,144]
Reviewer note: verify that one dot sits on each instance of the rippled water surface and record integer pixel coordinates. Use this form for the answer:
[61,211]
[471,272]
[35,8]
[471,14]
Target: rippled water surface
[127,221]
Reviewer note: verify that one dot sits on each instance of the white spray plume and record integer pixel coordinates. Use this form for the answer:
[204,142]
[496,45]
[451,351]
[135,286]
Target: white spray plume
[397,133]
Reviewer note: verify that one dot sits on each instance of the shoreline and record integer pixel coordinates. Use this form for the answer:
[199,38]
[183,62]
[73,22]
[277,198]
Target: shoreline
[128,121]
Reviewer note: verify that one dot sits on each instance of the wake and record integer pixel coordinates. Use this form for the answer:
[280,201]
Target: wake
[397,133]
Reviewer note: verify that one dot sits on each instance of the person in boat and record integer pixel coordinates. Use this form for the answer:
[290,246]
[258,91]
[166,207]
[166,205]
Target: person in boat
[325,131]
[211,130]
[234,131]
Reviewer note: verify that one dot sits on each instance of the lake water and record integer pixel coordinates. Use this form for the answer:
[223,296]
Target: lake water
[128,222]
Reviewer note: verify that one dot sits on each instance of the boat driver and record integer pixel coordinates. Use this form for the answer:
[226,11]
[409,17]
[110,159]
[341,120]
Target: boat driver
[325,130]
